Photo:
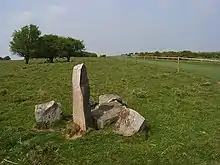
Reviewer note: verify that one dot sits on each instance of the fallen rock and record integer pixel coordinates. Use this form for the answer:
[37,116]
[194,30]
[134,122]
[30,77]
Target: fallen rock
[48,112]
[129,122]
[106,113]
[107,98]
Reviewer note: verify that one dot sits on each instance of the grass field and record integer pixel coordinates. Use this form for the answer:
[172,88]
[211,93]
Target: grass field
[206,69]
[183,112]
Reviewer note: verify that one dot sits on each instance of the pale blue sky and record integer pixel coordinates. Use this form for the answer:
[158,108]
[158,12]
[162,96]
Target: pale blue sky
[118,26]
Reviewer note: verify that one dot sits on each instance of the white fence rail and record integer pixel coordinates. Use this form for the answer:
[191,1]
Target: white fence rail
[180,58]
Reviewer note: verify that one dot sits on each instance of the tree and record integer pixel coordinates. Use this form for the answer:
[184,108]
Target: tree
[70,47]
[24,41]
[1,58]
[93,55]
[48,47]
[89,54]
[157,53]
[7,58]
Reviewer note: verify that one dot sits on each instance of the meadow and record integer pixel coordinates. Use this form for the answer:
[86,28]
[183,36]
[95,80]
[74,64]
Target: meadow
[182,110]
[206,69]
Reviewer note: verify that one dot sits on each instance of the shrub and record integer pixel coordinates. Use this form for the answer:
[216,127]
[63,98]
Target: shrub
[7,58]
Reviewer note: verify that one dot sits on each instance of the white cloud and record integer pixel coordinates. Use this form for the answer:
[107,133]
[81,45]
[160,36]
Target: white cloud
[54,9]
[54,14]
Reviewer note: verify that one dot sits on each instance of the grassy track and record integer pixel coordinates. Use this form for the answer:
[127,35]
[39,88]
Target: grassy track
[183,113]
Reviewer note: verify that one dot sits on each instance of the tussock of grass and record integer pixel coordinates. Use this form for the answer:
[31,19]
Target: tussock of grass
[184,115]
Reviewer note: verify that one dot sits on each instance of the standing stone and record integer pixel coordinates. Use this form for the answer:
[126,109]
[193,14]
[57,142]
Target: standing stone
[81,94]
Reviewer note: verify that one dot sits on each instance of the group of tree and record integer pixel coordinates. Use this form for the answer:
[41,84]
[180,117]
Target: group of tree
[29,43]
[185,53]
[5,58]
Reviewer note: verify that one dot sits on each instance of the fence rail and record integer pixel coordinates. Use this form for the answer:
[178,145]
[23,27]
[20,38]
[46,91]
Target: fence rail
[180,58]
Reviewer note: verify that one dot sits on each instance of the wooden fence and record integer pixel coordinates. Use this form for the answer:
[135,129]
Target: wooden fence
[179,58]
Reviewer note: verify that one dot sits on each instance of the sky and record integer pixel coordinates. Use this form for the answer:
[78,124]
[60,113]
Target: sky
[114,27]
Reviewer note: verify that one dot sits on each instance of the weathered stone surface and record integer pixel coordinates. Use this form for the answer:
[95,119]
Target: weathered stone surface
[106,113]
[48,112]
[129,122]
[81,94]
[92,103]
[107,98]
[72,131]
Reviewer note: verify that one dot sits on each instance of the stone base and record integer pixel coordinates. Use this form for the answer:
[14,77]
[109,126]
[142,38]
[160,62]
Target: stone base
[73,131]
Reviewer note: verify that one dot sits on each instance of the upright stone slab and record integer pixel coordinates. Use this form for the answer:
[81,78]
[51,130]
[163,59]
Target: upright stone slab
[81,94]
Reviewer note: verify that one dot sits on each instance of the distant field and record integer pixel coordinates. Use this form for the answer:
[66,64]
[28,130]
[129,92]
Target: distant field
[182,110]
[207,69]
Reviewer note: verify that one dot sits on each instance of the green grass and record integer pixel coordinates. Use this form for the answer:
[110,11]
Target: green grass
[183,113]
[206,69]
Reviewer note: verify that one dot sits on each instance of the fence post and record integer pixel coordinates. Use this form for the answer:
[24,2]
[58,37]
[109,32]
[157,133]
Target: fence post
[178,65]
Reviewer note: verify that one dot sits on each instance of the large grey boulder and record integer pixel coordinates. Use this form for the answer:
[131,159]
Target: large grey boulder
[107,98]
[48,112]
[129,122]
[106,113]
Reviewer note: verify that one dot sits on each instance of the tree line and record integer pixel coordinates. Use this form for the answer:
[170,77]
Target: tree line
[185,53]
[29,43]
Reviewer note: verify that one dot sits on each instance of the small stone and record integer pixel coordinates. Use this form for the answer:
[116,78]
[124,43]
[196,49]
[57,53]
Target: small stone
[107,98]
[92,103]
[106,114]
[206,83]
[129,122]
[48,112]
